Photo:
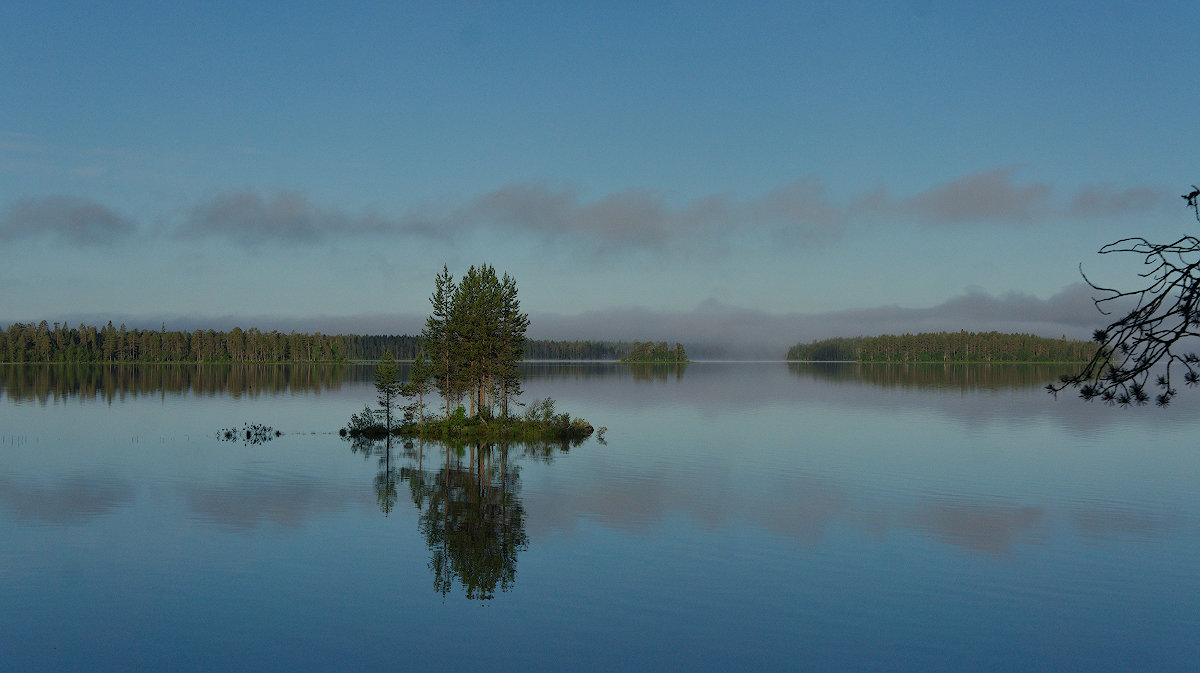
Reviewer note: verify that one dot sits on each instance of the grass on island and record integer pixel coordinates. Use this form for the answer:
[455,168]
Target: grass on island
[538,423]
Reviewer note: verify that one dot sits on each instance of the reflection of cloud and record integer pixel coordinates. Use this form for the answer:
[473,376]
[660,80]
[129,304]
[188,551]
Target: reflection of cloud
[976,526]
[802,507]
[66,502]
[1102,523]
[250,500]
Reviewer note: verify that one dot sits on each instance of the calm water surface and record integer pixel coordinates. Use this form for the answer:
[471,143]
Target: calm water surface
[740,516]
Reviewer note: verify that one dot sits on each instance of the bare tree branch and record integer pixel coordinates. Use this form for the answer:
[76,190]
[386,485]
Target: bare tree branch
[1151,336]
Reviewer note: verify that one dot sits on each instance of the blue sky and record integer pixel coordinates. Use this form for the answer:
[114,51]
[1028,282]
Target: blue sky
[755,173]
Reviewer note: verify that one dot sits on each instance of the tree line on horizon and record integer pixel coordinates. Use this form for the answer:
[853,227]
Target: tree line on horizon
[43,342]
[960,346]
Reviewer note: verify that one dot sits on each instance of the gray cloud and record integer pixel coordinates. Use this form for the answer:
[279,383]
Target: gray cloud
[1114,202]
[995,196]
[627,220]
[76,220]
[643,219]
[798,213]
[251,219]
[990,196]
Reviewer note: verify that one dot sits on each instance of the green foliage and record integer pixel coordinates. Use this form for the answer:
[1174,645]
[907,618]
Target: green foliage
[26,342]
[387,386]
[419,384]
[544,349]
[365,424]
[944,347]
[648,351]
[539,423]
[475,337]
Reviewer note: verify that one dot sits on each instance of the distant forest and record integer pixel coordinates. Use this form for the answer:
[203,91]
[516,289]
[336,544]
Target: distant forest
[945,347]
[26,342]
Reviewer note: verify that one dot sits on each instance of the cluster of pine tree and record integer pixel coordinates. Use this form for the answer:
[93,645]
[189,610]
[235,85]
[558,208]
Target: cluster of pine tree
[648,351]
[474,338]
[945,347]
[545,349]
[26,342]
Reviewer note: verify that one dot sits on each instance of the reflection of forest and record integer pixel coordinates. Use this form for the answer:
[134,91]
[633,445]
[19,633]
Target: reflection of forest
[43,382]
[469,505]
[939,376]
[58,382]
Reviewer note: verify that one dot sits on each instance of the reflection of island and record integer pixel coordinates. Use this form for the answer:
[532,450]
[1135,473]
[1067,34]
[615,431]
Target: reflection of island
[469,504]
[658,371]
[934,376]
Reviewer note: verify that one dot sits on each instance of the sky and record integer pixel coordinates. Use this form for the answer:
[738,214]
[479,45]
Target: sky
[750,175]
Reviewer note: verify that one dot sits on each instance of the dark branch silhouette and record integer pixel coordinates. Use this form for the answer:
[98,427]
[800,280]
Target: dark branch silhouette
[1151,337]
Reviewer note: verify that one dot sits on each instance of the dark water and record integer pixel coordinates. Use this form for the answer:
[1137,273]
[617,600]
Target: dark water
[740,517]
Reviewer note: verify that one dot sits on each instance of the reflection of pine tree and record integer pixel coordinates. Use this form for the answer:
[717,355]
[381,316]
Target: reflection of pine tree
[472,520]
[385,481]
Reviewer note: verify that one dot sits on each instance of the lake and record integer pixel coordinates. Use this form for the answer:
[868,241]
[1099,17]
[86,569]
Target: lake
[737,516]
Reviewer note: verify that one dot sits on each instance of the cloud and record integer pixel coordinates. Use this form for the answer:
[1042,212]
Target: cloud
[252,219]
[995,196]
[626,219]
[620,222]
[643,219]
[1112,202]
[72,219]
[990,196]
[796,214]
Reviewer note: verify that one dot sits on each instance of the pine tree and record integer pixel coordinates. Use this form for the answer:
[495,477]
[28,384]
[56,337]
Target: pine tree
[420,381]
[436,337]
[387,385]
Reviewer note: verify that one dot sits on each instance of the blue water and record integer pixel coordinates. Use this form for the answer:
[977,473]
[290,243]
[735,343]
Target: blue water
[739,516]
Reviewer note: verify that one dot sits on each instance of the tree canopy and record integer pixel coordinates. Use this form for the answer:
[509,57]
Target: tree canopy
[475,337]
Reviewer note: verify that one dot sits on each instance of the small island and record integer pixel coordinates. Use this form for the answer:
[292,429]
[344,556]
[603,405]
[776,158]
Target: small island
[469,353]
[648,352]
